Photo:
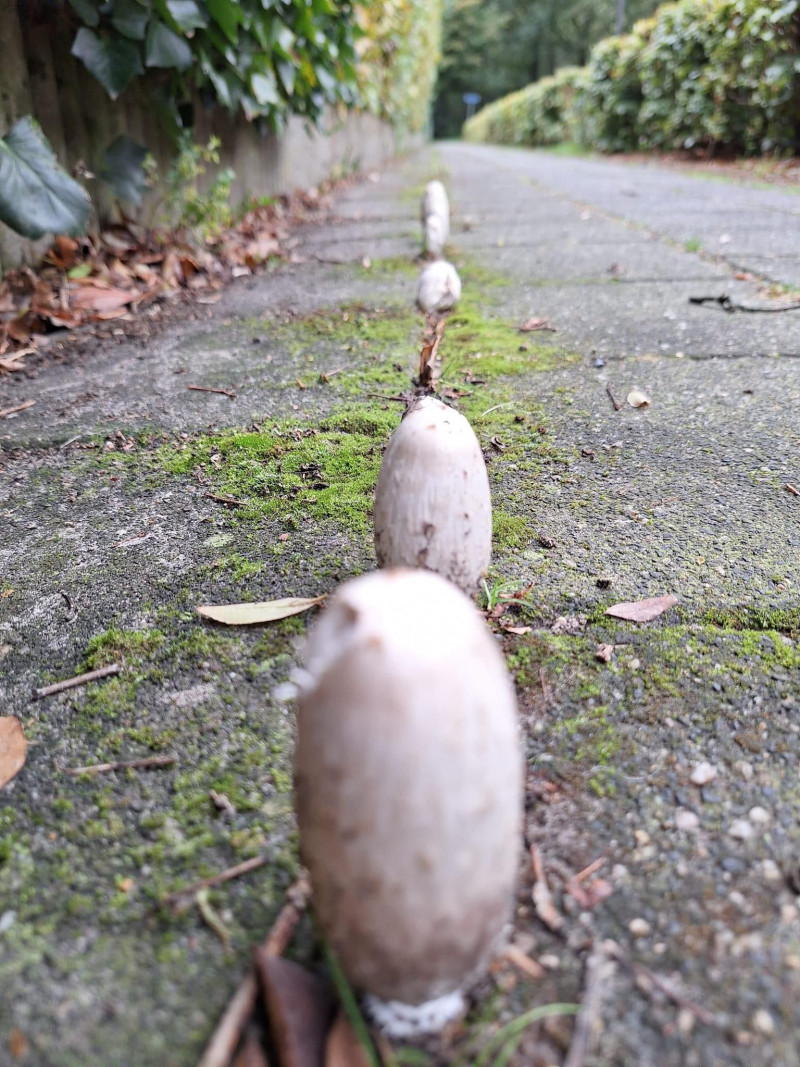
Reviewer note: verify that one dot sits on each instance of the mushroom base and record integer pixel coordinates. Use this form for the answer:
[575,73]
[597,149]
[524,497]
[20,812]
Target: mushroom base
[404,1021]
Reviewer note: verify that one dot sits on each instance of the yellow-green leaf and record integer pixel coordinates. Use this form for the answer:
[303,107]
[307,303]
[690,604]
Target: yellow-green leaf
[264,611]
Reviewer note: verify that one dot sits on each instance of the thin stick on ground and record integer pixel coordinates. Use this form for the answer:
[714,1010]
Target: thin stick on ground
[216,879]
[79,679]
[597,967]
[148,763]
[228,1033]
[18,407]
[231,501]
[209,389]
[664,984]
[614,401]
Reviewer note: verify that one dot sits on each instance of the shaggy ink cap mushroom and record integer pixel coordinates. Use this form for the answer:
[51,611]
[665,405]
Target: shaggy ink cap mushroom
[409,792]
[433,505]
[439,287]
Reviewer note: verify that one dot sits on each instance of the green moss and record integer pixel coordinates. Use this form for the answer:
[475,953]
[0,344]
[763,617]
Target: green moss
[295,472]
[509,531]
[117,646]
[782,620]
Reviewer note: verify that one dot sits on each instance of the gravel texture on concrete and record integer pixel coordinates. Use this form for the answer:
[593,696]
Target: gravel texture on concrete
[673,759]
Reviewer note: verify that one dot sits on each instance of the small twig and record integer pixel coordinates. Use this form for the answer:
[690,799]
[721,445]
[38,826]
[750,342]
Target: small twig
[71,441]
[230,500]
[301,384]
[597,967]
[71,612]
[216,879]
[80,679]
[382,396]
[792,489]
[208,389]
[212,920]
[614,401]
[149,762]
[507,404]
[523,962]
[19,407]
[724,303]
[541,896]
[326,376]
[664,984]
[226,1037]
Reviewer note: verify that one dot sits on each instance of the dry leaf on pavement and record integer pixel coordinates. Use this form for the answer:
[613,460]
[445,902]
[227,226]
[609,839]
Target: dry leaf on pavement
[299,1006]
[13,747]
[643,610]
[343,1049]
[637,399]
[533,324]
[263,611]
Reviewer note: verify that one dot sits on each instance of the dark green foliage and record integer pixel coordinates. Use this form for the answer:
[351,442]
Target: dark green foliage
[266,59]
[36,195]
[699,73]
[496,46]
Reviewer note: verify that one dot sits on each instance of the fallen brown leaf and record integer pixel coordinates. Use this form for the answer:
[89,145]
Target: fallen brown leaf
[101,299]
[13,748]
[533,324]
[343,1049]
[251,1054]
[299,1006]
[604,653]
[643,610]
[518,629]
[264,611]
[18,1045]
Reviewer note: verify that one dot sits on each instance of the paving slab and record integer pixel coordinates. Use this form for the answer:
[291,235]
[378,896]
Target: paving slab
[127,499]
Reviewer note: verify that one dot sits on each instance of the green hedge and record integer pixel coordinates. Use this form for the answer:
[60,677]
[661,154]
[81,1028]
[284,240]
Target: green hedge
[699,72]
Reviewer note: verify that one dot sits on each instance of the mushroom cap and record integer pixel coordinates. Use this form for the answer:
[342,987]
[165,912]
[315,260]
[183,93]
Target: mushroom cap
[433,505]
[439,287]
[436,234]
[408,784]
[435,202]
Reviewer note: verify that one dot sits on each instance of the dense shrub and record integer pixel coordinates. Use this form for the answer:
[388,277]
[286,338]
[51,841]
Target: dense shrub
[700,72]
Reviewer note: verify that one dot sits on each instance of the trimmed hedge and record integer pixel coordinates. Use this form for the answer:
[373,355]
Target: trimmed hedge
[699,72]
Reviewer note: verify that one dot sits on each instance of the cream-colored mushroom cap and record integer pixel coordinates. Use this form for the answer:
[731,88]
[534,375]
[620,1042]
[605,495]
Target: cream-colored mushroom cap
[435,218]
[433,505]
[408,785]
[439,287]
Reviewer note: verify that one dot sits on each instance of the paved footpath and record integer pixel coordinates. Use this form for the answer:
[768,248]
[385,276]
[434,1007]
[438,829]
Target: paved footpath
[674,761]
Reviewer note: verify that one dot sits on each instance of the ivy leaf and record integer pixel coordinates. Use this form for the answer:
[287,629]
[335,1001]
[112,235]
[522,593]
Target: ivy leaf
[87,11]
[123,169]
[264,89]
[227,16]
[187,15]
[36,195]
[115,62]
[163,48]
[129,18]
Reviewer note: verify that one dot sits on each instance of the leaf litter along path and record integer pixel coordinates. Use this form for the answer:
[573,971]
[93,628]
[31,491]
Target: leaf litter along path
[594,508]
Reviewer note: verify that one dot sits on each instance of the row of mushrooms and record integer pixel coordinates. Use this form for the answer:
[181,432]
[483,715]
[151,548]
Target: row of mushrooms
[408,775]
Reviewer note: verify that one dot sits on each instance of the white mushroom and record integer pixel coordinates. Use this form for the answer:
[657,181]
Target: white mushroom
[408,790]
[433,505]
[439,287]
[435,218]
